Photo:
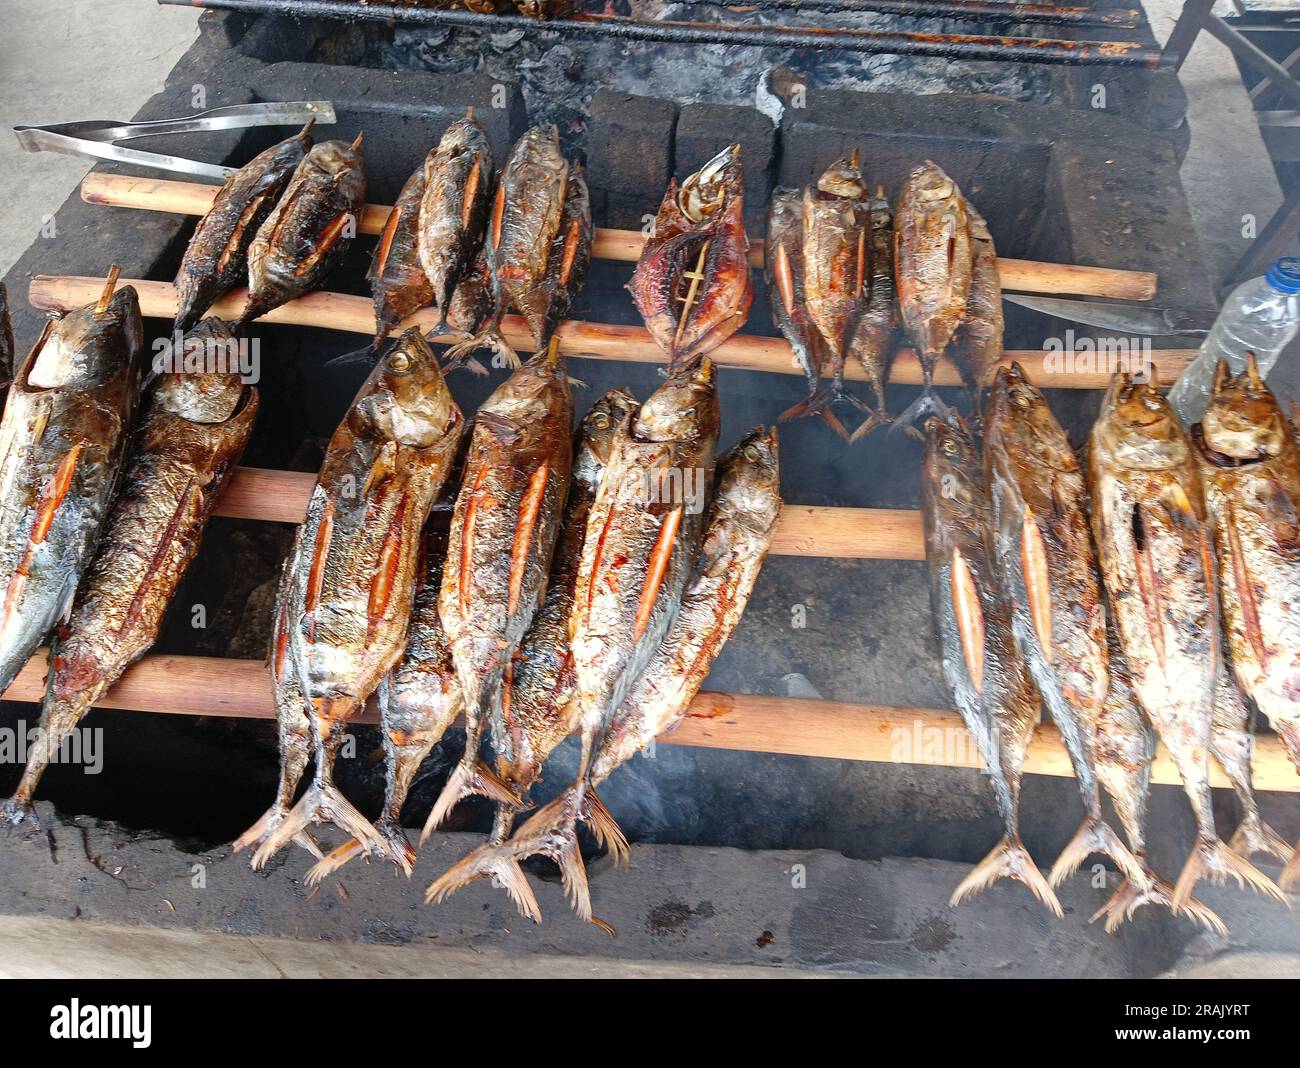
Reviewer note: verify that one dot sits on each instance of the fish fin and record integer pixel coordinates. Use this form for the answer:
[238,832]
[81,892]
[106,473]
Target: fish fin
[928,402]
[1211,858]
[551,831]
[260,831]
[367,355]
[1008,860]
[400,852]
[461,355]
[607,832]
[322,803]
[497,862]
[1131,896]
[1255,836]
[1095,836]
[466,781]
[876,417]
[1290,877]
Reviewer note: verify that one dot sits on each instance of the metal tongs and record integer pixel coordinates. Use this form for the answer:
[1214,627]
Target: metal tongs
[96,137]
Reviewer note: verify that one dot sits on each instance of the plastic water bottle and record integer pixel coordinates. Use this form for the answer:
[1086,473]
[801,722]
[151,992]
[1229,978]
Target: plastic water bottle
[1259,316]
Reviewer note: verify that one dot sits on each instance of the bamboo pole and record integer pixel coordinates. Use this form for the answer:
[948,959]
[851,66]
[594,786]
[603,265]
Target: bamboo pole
[610,341]
[208,686]
[1025,276]
[802,530]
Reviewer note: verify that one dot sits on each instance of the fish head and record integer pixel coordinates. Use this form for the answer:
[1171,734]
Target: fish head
[72,354]
[843,178]
[882,213]
[930,185]
[608,420]
[1137,429]
[703,194]
[1243,420]
[683,408]
[539,149]
[1020,420]
[206,385]
[951,463]
[335,157]
[528,395]
[749,476]
[462,135]
[406,398]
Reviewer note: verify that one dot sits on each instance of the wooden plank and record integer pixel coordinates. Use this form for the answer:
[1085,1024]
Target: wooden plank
[206,686]
[608,341]
[1027,276]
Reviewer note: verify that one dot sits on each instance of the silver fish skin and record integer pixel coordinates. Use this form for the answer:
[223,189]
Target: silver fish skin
[63,440]
[1153,545]
[982,664]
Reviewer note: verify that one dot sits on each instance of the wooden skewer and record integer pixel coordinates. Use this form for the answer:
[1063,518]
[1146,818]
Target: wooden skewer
[607,341]
[802,530]
[209,686]
[1025,276]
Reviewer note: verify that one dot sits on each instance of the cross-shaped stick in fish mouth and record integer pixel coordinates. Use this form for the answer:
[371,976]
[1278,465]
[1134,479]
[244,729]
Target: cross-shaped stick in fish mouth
[692,291]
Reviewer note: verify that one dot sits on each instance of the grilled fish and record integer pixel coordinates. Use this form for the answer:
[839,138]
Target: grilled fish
[691,283]
[1046,563]
[346,601]
[874,334]
[458,177]
[397,280]
[418,701]
[63,438]
[546,304]
[310,228]
[192,433]
[1126,746]
[216,258]
[785,285]
[836,227]
[982,665]
[1149,525]
[538,710]
[933,261]
[1232,742]
[527,213]
[978,347]
[471,303]
[503,534]
[1250,467]
[641,537]
[737,535]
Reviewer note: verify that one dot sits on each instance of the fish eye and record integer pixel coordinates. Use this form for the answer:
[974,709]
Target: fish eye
[600,421]
[950,446]
[751,453]
[1021,399]
[399,361]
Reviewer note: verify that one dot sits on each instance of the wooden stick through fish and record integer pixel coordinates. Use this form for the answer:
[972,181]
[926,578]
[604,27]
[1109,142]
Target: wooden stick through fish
[101,307]
[612,341]
[1022,276]
[211,686]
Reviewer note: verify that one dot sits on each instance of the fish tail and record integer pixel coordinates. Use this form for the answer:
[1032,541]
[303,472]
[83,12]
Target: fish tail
[465,781]
[1132,895]
[929,402]
[400,852]
[876,417]
[1255,836]
[1095,836]
[496,862]
[607,832]
[1213,859]
[322,803]
[551,831]
[1291,873]
[1008,860]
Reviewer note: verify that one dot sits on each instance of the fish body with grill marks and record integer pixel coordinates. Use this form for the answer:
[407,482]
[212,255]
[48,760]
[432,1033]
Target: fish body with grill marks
[310,228]
[192,432]
[216,259]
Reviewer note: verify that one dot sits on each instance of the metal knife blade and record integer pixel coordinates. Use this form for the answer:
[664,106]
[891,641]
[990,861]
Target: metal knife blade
[1125,318]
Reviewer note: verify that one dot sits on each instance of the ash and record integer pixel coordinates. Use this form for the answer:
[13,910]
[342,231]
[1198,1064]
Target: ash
[559,74]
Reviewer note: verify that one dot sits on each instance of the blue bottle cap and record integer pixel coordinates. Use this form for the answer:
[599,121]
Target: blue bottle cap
[1284,275]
